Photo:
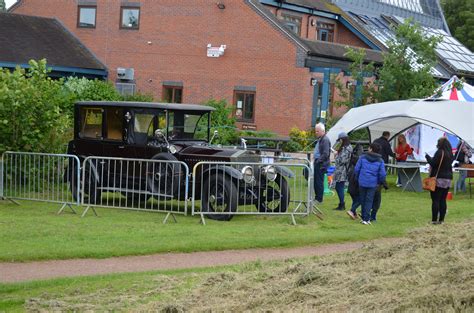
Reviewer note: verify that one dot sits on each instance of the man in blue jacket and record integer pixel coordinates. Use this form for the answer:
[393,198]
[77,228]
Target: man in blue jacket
[321,160]
[370,172]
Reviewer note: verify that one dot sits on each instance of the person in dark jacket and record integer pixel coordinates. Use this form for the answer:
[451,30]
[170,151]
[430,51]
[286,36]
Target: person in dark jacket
[440,167]
[370,171]
[385,146]
[321,160]
[463,156]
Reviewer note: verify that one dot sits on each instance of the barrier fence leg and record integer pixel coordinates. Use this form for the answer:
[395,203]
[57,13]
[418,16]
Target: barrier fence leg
[11,200]
[167,216]
[293,221]
[87,209]
[64,206]
[316,211]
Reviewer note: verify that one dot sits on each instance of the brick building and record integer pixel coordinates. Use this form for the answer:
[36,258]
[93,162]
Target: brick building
[272,60]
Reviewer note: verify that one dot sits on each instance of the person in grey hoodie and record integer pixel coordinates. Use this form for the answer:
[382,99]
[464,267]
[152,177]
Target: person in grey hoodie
[370,173]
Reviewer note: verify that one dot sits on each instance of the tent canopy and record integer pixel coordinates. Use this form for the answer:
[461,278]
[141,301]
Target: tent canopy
[455,117]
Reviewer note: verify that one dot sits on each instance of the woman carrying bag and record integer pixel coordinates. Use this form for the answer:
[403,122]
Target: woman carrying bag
[441,169]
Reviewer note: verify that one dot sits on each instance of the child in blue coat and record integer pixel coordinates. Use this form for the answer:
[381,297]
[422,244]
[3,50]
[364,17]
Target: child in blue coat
[370,173]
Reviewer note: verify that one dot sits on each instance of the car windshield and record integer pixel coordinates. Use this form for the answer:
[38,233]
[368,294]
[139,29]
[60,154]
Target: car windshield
[187,126]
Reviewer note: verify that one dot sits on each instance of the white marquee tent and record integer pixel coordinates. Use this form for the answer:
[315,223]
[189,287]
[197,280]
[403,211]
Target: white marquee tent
[455,117]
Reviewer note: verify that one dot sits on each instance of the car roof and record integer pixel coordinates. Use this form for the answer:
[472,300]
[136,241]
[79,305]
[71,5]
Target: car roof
[148,105]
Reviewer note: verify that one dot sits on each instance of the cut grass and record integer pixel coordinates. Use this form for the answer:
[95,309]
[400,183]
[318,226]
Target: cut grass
[431,270]
[33,231]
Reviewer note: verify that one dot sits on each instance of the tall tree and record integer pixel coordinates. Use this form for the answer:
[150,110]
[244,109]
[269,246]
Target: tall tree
[459,15]
[3,7]
[406,71]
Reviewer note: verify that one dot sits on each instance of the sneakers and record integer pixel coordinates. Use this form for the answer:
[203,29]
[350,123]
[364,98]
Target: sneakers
[351,214]
[399,185]
[365,222]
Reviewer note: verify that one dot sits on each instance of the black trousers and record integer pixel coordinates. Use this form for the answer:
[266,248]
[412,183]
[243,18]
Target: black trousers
[438,204]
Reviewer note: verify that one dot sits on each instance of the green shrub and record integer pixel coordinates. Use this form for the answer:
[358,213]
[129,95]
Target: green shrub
[304,138]
[31,110]
[223,121]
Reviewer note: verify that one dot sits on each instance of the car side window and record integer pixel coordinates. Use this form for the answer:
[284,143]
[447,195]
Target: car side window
[91,123]
[114,123]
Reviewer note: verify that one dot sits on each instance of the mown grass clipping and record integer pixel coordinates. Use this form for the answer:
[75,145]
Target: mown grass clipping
[431,269]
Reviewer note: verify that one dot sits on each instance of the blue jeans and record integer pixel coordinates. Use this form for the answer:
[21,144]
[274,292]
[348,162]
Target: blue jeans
[366,195]
[461,182]
[319,181]
[376,204]
[340,190]
[355,204]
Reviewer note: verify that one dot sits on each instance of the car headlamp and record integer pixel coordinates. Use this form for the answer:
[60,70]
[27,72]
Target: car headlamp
[247,172]
[173,149]
[270,172]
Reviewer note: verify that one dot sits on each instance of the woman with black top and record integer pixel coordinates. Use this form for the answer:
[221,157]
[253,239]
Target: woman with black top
[441,168]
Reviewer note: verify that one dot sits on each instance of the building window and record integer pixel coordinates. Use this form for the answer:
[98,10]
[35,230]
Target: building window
[325,31]
[244,102]
[173,94]
[293,23]
[130,18]
[86,16]
[125,89]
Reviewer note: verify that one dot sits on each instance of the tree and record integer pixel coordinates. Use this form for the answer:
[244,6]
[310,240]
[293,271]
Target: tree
[405,73]
[406,70]
[3,7]
[459,15]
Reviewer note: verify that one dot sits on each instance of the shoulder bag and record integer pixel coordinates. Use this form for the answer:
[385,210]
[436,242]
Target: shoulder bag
[429,183]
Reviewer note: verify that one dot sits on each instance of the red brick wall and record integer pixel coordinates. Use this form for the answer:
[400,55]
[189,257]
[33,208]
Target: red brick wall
[179,31]
[345,36]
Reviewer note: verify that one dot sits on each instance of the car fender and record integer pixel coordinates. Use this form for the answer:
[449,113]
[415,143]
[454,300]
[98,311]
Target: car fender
[232,172]
[283,171]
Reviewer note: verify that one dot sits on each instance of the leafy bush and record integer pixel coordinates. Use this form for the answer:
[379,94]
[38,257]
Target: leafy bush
[31,117]
[223,121]
[139,97]
[302,139]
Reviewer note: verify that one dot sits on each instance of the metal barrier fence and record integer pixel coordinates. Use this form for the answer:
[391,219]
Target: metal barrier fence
[226,189]
[41,177]
[137,184]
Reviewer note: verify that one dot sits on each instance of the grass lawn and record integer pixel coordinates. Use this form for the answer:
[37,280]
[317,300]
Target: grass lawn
[33,231]
[430,270]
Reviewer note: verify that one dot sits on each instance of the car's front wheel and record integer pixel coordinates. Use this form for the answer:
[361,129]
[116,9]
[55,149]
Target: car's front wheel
[219,195]
[275,196]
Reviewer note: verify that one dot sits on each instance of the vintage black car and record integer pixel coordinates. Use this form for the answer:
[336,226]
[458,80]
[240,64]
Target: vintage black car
[172,132]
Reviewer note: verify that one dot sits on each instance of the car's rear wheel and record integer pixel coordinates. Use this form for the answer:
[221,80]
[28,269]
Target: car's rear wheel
[219,195]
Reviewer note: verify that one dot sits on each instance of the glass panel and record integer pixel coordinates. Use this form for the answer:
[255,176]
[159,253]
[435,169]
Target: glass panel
[248,106]
[130,18]
[142,123]
[91,123]
[293,23]
[114,123]
[182,126]
[87,17]
[178,95]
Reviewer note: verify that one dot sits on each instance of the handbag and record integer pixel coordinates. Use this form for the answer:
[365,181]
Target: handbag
[429,183]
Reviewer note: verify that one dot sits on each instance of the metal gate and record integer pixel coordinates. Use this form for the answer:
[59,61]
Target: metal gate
[137,184]
[226,189]
[40,177]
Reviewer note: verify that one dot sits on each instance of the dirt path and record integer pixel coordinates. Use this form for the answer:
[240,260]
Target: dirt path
[17,272]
